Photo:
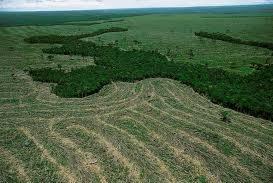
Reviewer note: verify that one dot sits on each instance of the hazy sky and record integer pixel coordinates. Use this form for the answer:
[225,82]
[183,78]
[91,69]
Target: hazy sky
[109,4]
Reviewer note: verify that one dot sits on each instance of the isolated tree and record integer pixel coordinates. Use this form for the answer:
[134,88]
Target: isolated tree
[50,57]
[267,60]
[59,66]
[225,116]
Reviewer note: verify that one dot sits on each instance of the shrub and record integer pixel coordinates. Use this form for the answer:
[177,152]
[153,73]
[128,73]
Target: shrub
[225,116]
[202,179]
[136,42]
[50,57]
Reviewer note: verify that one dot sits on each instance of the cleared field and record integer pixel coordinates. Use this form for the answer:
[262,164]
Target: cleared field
[155,130]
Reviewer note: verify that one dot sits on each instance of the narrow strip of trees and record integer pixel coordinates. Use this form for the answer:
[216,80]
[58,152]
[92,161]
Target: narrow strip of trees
[226,38]
[57,39]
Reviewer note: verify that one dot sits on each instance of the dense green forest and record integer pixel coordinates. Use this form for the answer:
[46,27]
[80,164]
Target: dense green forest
[53,39]
[251,94]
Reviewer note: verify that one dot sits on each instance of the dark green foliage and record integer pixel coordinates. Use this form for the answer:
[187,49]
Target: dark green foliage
[111,21]
[56,39]
[91,23]
[228,31]
[202,179]
[136,42]
[256,66]
[11,48]
[47,75]
[224,37]
[225,116]
[250,94]
[50,57]
[82,23]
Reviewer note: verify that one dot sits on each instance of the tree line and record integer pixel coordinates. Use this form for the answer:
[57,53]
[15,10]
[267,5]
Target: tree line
[58,39]
[92,23]
[252,94]
[226,38]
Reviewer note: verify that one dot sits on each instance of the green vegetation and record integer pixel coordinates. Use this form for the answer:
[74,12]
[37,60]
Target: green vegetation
[9,19]
[224,37]
[50,57]
[250,94]
[147,129]
[56,39]
[225,116]
[202,179]
[86,23]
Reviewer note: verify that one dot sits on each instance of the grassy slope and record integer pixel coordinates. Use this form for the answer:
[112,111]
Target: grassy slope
[156,129]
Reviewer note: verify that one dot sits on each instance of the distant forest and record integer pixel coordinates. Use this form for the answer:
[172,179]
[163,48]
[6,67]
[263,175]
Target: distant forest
[61,17]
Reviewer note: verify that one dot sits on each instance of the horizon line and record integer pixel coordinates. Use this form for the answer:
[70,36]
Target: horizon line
[201,6]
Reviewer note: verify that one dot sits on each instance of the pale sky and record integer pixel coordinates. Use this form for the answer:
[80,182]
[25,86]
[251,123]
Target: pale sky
[18,5]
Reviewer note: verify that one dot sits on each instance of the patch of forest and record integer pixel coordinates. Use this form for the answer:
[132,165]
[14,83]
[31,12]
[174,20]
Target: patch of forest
[58,39]
[227,38]
[251,94]
[92,23]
